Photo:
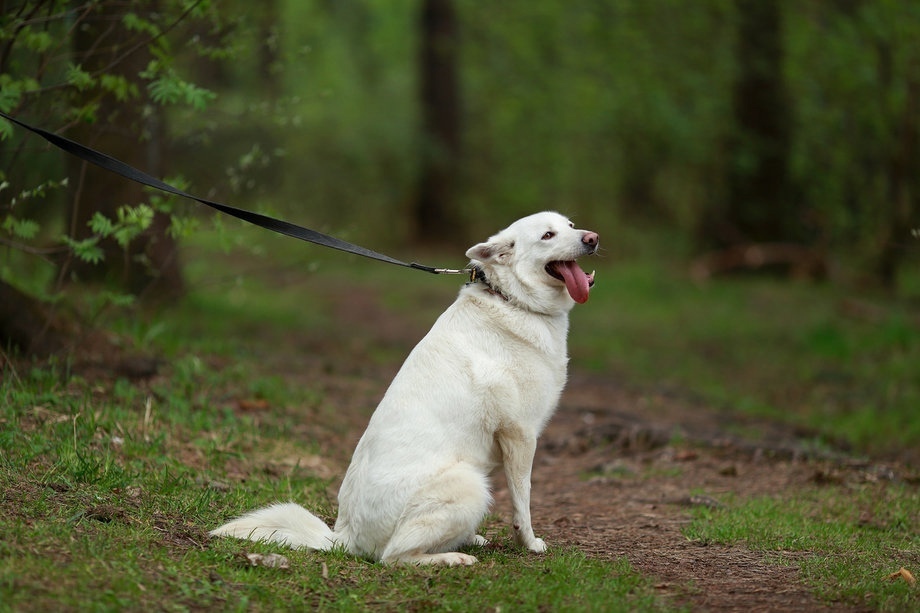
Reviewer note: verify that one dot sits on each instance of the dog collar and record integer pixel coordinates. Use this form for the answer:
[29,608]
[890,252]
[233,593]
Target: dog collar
[478,276]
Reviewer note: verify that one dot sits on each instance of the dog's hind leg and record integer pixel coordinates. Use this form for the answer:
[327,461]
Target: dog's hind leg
[440,517]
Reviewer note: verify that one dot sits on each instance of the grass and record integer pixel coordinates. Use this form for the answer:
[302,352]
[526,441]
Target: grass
[109,486]
[846,541]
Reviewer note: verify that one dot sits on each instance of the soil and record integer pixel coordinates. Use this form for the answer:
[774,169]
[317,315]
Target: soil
[640,487]
[617,471]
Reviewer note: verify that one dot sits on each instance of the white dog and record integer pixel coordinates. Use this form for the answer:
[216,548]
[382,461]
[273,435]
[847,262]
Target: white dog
[474,394]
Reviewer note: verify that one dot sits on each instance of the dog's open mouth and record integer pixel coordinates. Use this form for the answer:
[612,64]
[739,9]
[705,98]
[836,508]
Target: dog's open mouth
[577,282]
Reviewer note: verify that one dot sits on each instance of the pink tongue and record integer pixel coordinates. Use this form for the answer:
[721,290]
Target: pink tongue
[576,281]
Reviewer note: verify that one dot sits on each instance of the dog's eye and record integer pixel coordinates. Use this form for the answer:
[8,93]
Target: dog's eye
[549,235]
[572,224]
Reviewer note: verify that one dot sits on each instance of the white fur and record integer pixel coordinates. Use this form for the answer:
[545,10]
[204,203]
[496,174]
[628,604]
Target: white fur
[473,395]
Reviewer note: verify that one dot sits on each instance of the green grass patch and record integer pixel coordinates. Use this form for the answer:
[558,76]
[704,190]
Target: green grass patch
[109,488]
[846,540]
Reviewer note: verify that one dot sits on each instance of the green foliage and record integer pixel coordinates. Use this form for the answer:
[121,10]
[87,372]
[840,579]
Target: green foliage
[135,23]
[854,78]
[602,110]
[11,90]
[11,93]
[38,192]
[166,88]
[79,78]
[87,249]
[20,228]
[606,111]
[130,222]
[43,81]
[119,86]
[605,125]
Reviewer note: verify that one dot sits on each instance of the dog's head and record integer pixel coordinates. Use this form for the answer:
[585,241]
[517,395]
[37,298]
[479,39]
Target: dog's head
[533,262]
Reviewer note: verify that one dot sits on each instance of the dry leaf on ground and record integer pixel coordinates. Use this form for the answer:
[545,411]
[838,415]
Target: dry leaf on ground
[905,574]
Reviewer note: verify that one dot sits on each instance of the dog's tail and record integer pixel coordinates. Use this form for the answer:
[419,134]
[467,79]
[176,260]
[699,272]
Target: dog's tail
[285,523]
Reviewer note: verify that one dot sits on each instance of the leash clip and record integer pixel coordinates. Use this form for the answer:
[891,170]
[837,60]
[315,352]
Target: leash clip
[439,271]
[452,271]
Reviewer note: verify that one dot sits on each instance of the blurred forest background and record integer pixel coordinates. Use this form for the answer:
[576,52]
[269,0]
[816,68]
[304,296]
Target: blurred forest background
[740,134]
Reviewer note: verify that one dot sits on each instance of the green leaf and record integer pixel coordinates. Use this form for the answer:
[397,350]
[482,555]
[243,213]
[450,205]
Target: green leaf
[165,91]
[117,299]
[87,249]
[136,23]
[169,88]
[39,41]
[101,225]
[21,228]
[182,227]
[140,215]
[10,93]
[84,114]
[118,85]
[79,78]
[132,221]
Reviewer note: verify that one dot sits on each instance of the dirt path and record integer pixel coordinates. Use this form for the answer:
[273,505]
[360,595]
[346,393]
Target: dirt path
[609,481]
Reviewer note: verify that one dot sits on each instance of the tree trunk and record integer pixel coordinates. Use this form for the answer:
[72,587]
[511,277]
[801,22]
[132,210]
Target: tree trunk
[902,203]
[36,329]
[30,326]
[759,204]
[435,208]
[132,131]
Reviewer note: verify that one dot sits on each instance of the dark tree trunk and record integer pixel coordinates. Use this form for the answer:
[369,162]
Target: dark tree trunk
[130,130]
[759,204]
[29,326]
[902,203]
[435,208]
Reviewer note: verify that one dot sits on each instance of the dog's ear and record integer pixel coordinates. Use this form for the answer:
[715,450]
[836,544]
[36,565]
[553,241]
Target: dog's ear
[495,249]
[481,252]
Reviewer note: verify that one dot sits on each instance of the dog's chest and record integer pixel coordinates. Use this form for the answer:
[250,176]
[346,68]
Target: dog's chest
[518,382]
[504,365]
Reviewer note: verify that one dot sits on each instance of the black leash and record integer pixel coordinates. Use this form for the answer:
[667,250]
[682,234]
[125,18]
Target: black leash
[269,223]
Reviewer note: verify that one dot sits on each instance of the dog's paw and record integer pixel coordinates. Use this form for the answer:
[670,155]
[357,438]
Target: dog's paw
[452,558]
[537,545]
[460,559]
[478,541]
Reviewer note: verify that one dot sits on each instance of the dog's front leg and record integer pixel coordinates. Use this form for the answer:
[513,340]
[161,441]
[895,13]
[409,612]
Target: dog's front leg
[518,449]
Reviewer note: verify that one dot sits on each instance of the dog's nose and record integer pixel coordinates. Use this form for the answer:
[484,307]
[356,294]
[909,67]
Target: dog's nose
[590,239]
